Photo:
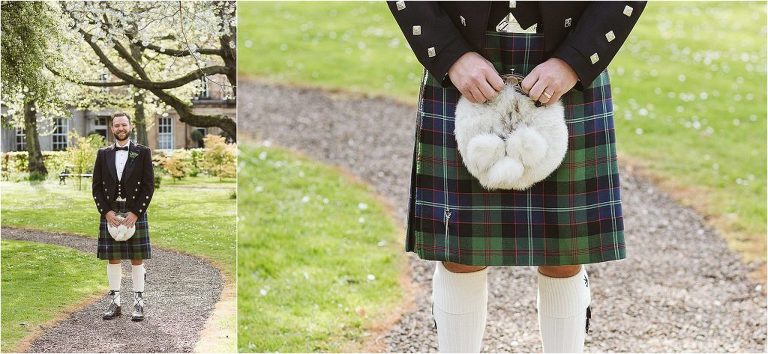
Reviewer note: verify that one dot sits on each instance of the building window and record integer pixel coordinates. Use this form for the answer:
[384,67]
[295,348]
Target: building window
[60,134]
[205,92]
[165,133]
[100,126]
[21,140]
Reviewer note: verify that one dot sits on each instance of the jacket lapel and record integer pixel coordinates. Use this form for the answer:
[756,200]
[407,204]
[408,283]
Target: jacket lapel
[111,162]
[129,165]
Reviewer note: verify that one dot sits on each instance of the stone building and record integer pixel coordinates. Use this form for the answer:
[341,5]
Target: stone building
[166,131]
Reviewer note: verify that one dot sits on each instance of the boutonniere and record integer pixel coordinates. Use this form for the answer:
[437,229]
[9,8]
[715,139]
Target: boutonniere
[132,155]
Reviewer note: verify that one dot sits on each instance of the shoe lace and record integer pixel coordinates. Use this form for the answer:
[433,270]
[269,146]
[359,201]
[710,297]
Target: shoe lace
[113,296]
[138,299]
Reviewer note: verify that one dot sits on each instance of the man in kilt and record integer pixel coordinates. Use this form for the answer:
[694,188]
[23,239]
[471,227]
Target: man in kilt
[123,184]
[571,218]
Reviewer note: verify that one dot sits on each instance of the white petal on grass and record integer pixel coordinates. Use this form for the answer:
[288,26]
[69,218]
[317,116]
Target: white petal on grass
[362,206]
[305,199]
[361,220]
[263,291]
[263,155]
[639,131]
[371,277]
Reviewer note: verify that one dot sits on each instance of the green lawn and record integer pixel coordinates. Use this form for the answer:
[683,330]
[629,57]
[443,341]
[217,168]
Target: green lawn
[689,89]
[41,280]
[318,256]
[196,215]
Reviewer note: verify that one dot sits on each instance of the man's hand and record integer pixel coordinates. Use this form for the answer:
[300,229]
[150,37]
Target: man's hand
[475,77]
[112,218]
[130,219]
[548,81]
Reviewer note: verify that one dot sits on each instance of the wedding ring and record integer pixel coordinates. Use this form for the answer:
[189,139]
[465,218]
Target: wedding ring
[549,95]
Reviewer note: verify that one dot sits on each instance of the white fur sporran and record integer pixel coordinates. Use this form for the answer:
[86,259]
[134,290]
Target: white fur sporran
[508,142]
[121,232]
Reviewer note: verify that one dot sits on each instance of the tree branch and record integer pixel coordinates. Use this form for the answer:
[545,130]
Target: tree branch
[86,83]
[144,81]
[173,52]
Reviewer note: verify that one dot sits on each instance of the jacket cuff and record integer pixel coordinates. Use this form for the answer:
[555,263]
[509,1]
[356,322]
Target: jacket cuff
[584,69]
[446,58]
[136,212]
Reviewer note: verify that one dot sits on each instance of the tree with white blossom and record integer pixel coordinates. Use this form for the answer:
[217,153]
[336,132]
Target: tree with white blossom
[28,90]
[156,53]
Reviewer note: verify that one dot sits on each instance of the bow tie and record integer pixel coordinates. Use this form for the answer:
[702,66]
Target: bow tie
[124,148]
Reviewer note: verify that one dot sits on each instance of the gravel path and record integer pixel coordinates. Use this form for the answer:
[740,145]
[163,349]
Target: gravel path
[681,289]
[181,292]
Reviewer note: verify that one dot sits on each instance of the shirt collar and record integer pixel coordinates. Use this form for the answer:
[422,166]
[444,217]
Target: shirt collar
[127,144]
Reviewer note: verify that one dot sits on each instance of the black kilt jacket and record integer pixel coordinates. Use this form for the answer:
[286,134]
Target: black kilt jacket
[586,35]
[136,185]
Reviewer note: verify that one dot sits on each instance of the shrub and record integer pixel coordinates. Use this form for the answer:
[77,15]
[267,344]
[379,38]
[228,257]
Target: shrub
[178,164]
[6,167]
[81,156]
[15,164]
[196,157]
[219,158]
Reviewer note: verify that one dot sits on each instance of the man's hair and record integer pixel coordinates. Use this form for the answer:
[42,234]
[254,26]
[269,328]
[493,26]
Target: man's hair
[121,114]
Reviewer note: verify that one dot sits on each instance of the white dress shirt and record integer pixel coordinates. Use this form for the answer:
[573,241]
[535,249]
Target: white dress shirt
[121,157]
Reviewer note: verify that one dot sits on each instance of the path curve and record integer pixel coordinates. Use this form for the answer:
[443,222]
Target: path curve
[681,289]
[181,292]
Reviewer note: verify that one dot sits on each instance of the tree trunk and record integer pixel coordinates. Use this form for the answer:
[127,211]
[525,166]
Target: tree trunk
[36,167]
[140,120]
[228,53]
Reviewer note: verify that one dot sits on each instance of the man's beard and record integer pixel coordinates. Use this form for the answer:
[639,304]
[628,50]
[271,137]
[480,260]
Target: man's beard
[121,136]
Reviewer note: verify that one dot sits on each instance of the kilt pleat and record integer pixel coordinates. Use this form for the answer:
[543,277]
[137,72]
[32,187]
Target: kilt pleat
[136,247]
[572,217]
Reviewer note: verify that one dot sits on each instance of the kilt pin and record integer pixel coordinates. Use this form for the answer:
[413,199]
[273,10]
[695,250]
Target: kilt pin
[572,217]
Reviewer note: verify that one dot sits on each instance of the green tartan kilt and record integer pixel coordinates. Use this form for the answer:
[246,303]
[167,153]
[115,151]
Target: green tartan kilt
[136,247]
[572,217]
